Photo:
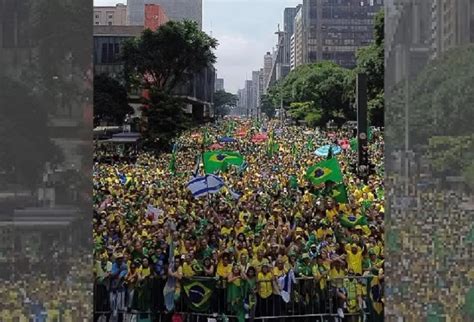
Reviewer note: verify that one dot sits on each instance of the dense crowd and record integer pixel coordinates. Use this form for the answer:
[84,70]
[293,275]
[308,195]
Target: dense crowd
[280,232]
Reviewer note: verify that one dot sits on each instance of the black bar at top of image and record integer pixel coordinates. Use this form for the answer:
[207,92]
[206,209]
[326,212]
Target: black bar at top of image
[45,160]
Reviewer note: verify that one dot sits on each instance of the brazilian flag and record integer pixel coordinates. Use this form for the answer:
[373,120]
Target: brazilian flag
[220,160]
[376,307]
[327,170]
[350,221]
[339,193]
[198,294]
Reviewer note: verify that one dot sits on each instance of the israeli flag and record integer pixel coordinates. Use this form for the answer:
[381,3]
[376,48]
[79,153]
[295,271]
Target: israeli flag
[202,186]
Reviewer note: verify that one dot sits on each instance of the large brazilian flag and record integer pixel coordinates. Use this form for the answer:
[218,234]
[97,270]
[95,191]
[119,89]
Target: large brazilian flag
[219,160]
[198,294]
[327,170]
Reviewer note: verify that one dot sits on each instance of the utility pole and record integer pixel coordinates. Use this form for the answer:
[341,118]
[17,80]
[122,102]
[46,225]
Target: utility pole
[363,155]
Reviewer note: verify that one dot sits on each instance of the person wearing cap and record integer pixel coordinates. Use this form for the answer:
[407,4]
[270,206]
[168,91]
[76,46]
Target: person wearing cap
[265,280]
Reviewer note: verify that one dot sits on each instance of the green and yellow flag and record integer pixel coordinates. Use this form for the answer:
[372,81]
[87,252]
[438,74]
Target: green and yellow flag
[206,140]
[327,170]
[354,144]
[310,144]
[198,294]
[220,160]
[339,193]
[376,307]
[350,221]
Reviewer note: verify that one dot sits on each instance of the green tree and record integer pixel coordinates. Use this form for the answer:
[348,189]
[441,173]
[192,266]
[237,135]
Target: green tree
[437,100]
[167,57]
[110,100]
[370,60]
[306,111]
[164,120]
[223,102]
[267,107]
[161,61]
[325,84]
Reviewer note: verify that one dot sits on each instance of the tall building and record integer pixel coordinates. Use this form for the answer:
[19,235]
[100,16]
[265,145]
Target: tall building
[261,85]
[175,10]
[108,41]
[455,18]
[427,29]
[111,16]
[292,52]
[299,35]
[219,84]
[335,30]
[155,16]
[267,68]
[240,103]
[255,91]
[288,29]
[248,90]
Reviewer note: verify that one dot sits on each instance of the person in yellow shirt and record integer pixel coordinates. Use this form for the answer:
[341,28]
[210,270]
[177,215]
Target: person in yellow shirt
[258,261]
[353,294]
[188,270]
[279,270]
[265,289]
[227,229]
[239,228]
[354,258]
[257,245]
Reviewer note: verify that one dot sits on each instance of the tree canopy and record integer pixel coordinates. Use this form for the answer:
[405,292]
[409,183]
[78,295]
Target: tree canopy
[160,61]
[110,100]
[325,91]
[370,60]
[267,107]
[434,107]
[322,88]
[224,101]
[164,58]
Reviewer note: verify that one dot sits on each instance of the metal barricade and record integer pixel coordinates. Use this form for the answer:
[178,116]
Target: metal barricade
[309,300]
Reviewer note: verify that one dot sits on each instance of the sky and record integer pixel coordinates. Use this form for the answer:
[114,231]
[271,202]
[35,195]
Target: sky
[245,31]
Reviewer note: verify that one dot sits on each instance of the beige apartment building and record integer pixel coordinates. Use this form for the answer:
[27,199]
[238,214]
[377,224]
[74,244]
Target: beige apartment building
[111,16]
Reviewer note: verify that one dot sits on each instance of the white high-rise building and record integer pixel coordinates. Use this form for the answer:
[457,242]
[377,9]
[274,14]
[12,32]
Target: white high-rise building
[267,69]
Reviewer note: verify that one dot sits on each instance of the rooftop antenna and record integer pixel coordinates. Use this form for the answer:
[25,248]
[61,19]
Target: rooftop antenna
[211,29]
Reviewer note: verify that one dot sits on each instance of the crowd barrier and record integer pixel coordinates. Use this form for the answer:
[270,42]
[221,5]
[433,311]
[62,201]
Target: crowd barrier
[309,300]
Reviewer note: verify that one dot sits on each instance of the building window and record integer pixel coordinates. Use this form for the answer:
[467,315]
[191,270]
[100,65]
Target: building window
[97,16]
[96,22]
[110,23]
[111,16]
